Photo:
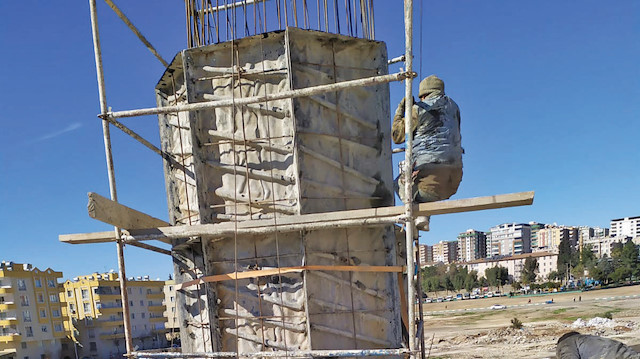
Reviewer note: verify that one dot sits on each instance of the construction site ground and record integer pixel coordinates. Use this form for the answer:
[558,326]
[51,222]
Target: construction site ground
[469,329]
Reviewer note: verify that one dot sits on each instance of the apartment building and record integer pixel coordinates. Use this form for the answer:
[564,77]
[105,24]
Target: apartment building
[535,228]
[172,324]
[588,234]
[625,227]
[509,239]
[472,245]
[445,252]
[426,254]
[547,263]
[95,307]
[33,319]
[551,235]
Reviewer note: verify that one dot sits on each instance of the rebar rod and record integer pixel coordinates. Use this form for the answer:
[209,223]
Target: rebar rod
[309,91]
[408,169]
[110,172]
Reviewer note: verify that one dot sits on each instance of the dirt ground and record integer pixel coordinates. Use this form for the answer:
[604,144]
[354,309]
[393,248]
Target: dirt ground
[469,329]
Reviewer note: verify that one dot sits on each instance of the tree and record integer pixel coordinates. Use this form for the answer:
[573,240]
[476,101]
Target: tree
[605,269]
[516,286]
[565,256]
[529,270]
[587,257]
[471,281]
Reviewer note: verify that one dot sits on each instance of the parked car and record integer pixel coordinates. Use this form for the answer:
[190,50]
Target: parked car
[498,307]
[439,300]
[428,300]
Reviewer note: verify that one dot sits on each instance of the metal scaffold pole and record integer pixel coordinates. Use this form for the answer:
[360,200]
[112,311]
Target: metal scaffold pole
[408,169]
[111,173]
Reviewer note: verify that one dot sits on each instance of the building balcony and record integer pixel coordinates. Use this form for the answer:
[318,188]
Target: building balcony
[10,338]
[6,289]
[158,319]
[107,296]
[8,322]
[109,322]
[112,335]
[156,295]
[7,306]
[156,308]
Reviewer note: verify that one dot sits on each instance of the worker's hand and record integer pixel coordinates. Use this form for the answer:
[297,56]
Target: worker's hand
[402,105]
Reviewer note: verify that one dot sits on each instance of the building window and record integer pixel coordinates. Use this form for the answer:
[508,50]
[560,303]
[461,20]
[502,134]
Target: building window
[57,327]
[93,347]
[72,308]
[142,314]
[131,303]
[24,300]
[51,283]
[43,313]
[86,307]
[70,294]
[22,285]
[44,328]
[133,315]
[23,345]
[38,283]
[55,313]
[92,333]
[85,294]
[142,303]
[29,331]
[53,298]
[26,316]
[40,298]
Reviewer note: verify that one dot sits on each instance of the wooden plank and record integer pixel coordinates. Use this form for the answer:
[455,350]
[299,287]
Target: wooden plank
[121,216]
[84,238]
[304,221]
[350,217]
[105,237]
[285,270]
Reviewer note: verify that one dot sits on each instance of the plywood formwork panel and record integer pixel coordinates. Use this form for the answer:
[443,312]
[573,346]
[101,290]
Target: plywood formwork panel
[286,157]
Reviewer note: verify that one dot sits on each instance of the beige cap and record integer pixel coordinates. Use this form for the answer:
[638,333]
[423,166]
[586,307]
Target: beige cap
[429,85]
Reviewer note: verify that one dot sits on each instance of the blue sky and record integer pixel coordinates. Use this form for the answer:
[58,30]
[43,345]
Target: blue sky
[548,93]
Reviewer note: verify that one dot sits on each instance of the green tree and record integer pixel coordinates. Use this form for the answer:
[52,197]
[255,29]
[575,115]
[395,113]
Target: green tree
[605,269]
[587,257]
[529,270]
[471,281]
[565,257]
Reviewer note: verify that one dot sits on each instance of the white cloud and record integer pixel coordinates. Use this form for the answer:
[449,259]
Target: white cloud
[72,127]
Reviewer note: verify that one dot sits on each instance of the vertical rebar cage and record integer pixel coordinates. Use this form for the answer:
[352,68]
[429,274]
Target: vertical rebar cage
[320,153]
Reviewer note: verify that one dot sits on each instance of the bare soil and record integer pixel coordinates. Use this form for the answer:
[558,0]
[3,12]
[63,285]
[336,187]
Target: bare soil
[469,329]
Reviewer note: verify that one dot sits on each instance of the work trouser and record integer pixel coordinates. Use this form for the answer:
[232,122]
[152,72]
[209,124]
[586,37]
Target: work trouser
[435,182]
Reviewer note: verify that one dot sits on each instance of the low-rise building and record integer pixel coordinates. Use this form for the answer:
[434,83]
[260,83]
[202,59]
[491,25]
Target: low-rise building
[32,312]
[95,307]
[547,263]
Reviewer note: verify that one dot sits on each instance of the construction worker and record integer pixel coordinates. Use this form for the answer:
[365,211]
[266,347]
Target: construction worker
[437,151]
[574,345]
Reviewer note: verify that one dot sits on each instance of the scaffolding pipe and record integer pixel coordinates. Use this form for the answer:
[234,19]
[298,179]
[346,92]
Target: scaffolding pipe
[135,30]
[111,173]
[408,169]
[305,92]
[277,354]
